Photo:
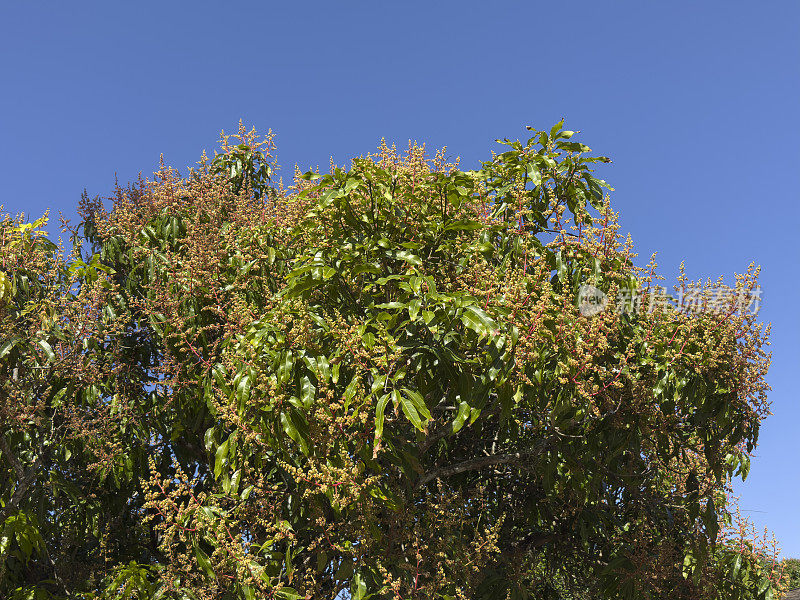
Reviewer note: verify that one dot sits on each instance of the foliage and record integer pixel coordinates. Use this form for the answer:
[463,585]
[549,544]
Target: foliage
[245,166]
[376,383]
[791,572]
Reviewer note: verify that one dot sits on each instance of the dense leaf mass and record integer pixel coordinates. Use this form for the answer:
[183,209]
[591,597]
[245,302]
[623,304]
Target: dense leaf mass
[377,383]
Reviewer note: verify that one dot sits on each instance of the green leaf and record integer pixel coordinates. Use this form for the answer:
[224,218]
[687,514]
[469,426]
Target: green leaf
[345,570]
[285,367]
[208,438]
[7,346]
[573,147]
[5,539]
[350,390]
[307,392]
[409,410]
[413,308]
[710,521]
[365,268]
[51,356]
[477,320]
[461,417]
[410,258]
[243,388]
[204,562]
[763,585]
[556,128]
[534,174]
[358,589]
[6,287]
[290,421]
[418,401]
[464,226]
[737,564]
[561,266]
[221,378]
[380,408]
[391,305]
[220,457]
[378,381]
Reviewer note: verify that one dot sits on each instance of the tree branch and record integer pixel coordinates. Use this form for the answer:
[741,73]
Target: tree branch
[475,464]
[6,449]
[25,479]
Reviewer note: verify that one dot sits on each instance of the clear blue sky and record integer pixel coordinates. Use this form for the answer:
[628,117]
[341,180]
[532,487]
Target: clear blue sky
[696,102]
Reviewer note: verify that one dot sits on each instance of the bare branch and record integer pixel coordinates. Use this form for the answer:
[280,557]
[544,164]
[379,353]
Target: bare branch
[25,479]
[475,464]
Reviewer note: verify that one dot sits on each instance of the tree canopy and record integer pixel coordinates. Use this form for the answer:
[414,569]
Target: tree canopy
[377,383]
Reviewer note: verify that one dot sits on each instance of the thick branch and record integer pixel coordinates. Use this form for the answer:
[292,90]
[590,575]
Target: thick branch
[475,464]
[6,449]
[24,479]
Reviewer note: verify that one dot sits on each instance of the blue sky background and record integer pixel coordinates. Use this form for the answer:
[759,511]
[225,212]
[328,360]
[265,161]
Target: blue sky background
[696,102]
